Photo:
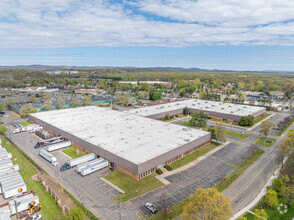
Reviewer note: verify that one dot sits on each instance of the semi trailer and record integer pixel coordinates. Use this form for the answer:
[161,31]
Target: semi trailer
[5,156]
[77,161]
[94,167]
[5,163]
[29,128]
[58,146]
[14,190]
[87,164]
[49,157]
[14,167]
[48,142]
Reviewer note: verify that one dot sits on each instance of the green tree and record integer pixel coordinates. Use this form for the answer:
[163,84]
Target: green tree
[60,102]
[242,218]
[167,117]
[3,129]
[10,101]
[265,127]
[207,204]
[220,132]
[33,99]
[198,119]
[12,117]
[212,131]
[246,120]
[75,214]
[271,198]
[33,110]
[261,214]
[143,95]
[75,102]
[186,111]
[287,193]
[2,106]
[202,95]
[277,184]
[87,100]
[47,104]
[182,92]
[156,96]
[25,110]
[123,98]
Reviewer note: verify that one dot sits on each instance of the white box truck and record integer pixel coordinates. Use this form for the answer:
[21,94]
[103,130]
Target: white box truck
[14,190]
[94,167]
[58,146]
[90,163]
[29,128]
[49,157]
[77,161]
[5,212]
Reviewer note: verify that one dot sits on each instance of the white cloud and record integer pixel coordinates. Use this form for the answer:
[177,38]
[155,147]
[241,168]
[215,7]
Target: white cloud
[73,23]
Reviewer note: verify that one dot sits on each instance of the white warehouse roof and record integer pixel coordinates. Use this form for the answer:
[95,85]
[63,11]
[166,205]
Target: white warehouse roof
[132,137]
[220,107]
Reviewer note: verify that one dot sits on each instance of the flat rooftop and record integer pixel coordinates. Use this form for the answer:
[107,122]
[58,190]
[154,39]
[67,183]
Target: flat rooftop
[220,107]
[132,137]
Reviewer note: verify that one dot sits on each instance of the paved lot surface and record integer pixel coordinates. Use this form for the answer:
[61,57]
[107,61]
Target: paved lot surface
[97,196]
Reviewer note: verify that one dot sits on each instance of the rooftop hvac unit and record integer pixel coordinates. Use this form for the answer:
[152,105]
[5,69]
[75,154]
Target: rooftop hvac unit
[193,104]
[223,108]
[187,140]
[232,112]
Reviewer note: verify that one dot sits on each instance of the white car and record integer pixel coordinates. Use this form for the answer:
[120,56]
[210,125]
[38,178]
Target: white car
[151,207]
[37,217]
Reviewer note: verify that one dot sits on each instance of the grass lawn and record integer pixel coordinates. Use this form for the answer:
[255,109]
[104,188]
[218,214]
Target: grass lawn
[261,118]
[279,133]
[71,152]
[25,123]
[226,182]
[273,213]
[263,142]
[132,187]
[188,123]
[177,210]
[238,135]
[49,209]
[193,156]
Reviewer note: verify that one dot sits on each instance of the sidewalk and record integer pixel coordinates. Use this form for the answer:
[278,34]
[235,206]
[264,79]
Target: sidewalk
[180,169]
[254,126]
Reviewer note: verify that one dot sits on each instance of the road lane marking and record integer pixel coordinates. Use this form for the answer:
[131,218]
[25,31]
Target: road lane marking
[252,180]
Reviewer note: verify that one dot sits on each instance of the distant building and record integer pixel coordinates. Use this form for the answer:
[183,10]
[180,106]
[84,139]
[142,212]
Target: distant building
[140,82]
[88,91]
[56,72]
[277,94]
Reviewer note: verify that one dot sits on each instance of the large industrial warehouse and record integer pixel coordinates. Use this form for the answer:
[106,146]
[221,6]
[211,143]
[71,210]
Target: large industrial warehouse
[133,144]
[216,110]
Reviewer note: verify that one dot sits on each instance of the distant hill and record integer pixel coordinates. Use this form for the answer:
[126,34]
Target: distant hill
[134,69]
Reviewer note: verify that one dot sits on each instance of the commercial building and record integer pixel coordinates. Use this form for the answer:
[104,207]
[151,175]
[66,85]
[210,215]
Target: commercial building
[216,110]
[133,144]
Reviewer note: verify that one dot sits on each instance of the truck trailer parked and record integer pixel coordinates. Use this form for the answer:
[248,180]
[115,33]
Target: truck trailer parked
[77,161]
[5,163]
[5,156]
[88,164]
[49,142]
[22,203]
[58,146]
[14,190]
[29,128]
[14,167]
[49,157]
[94,167]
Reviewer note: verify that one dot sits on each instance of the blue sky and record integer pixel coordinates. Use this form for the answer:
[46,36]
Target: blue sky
[215,34]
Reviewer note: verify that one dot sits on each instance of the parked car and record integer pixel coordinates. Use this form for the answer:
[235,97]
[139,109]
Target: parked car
[2,113]
[151,207]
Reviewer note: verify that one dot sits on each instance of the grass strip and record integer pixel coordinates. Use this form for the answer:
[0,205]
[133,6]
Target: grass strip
[280,132]
[227,181]
[25,123]
[265,142]
[49,210]
[193,156]
[238,135]
[71,152]
[132,187]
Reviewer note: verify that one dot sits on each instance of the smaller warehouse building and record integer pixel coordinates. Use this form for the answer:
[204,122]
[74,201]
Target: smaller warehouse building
[133,144]
[216,110]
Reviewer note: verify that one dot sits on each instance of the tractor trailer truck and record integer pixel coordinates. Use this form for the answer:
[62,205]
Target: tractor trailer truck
[5,163]
[14,190]
[58,146]
[77,161]
[49,157]
[94,167]
[87,164]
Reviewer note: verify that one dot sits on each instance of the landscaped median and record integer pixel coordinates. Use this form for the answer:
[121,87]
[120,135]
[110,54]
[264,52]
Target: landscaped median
[25,123]
[72,152]
[238,135]
[132,187]
[266,142]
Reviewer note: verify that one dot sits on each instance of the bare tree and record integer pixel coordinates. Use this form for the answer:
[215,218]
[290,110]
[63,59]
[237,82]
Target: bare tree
[164,204]
[220,132]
